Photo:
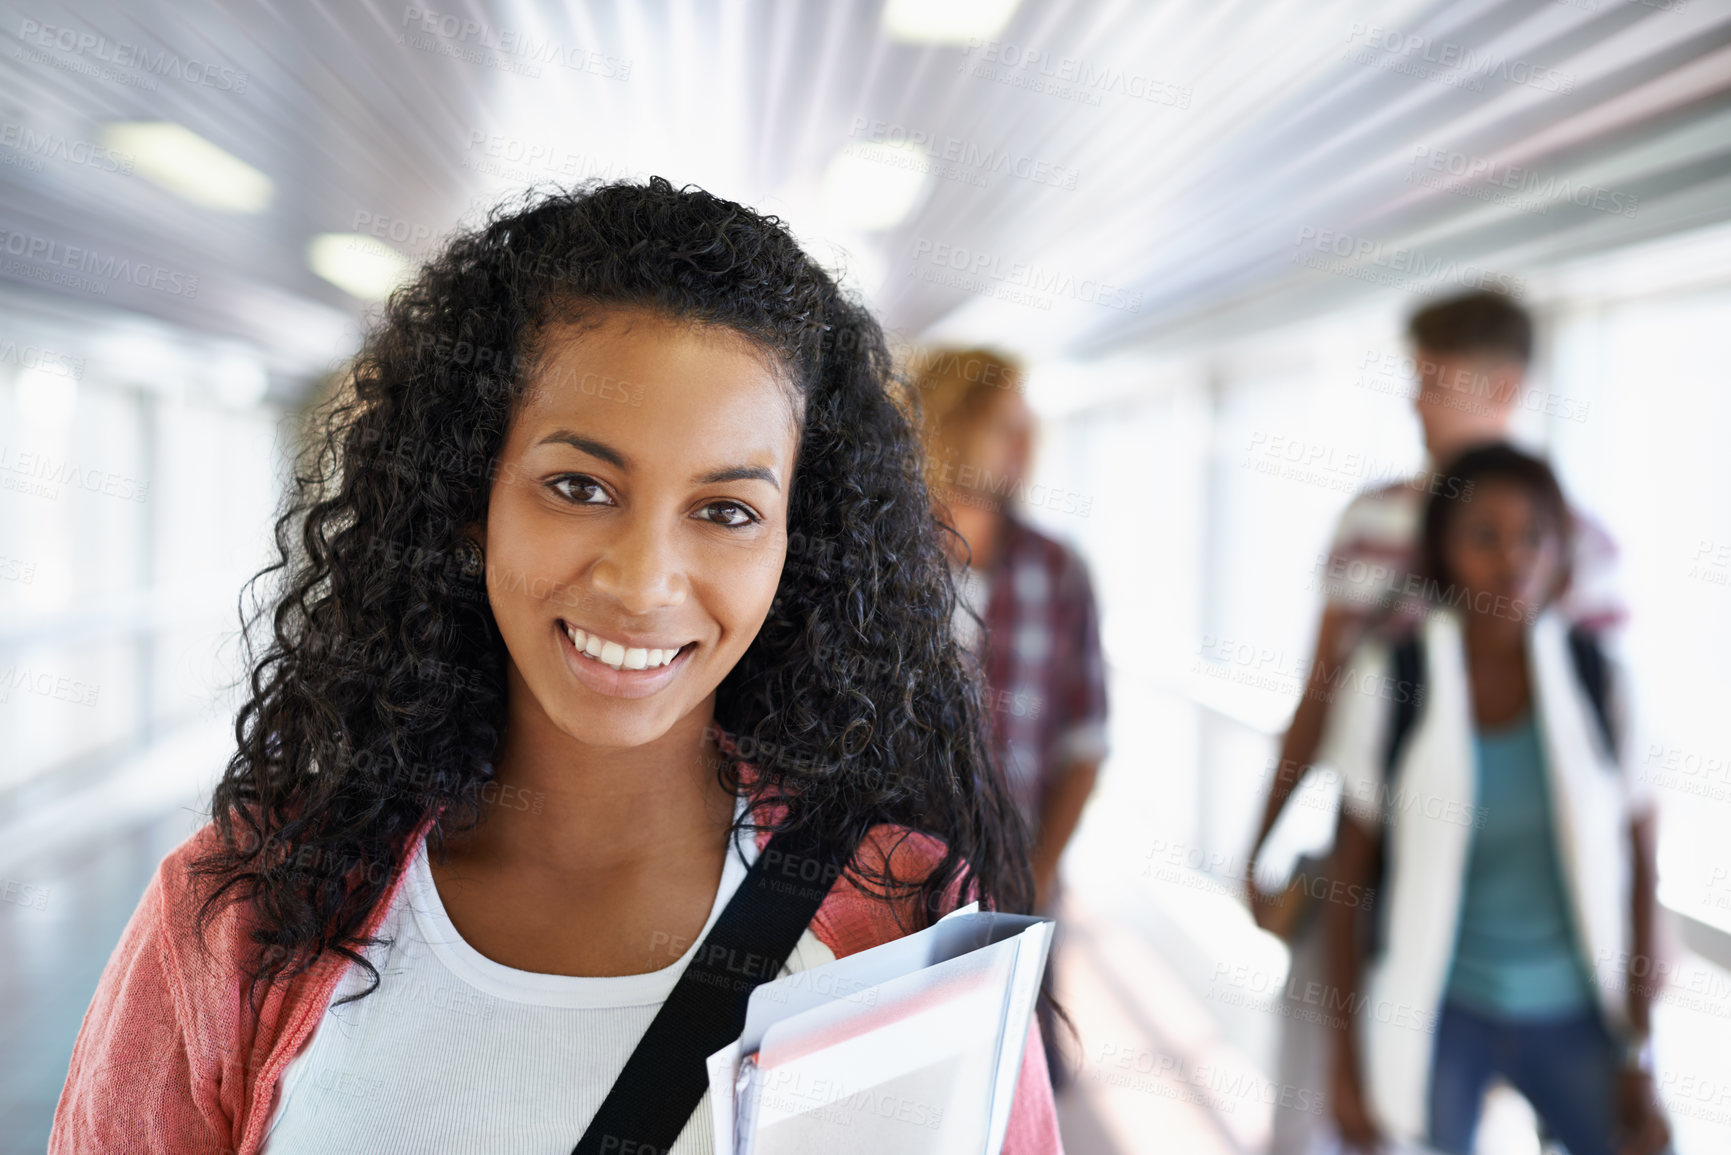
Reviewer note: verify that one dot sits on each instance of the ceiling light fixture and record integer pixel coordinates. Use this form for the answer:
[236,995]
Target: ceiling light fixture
[189,166]
[359,265]
[947,21]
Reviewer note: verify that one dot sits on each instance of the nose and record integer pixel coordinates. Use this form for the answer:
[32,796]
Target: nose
[1515,561]
[641,567]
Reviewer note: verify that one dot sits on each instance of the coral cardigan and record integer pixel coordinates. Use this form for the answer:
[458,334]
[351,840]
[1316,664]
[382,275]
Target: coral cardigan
[170,1059]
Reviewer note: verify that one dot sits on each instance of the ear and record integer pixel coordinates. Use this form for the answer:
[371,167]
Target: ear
[472,561]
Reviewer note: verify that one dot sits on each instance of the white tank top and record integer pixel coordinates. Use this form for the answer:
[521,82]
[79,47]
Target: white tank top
[455,1053]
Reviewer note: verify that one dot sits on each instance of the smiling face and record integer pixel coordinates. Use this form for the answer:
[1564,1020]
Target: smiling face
[637,526]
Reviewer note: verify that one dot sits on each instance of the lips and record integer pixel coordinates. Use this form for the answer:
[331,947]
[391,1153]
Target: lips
[588,655]
[618,655]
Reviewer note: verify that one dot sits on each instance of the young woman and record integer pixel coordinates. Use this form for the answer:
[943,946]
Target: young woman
[1514,907]
[614,560]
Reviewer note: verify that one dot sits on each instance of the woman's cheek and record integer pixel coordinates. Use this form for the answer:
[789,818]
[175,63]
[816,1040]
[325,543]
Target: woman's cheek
[754,577]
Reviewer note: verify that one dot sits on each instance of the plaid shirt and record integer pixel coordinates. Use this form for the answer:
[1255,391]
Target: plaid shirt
[1045,677]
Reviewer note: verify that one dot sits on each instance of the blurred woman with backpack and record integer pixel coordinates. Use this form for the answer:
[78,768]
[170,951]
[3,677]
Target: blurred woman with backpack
[1487,803]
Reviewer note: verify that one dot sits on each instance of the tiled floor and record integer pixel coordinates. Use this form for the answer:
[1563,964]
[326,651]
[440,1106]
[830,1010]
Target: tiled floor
[85,852]
[50,958]
[1149,1058]
[1117,989]
[1161,1064]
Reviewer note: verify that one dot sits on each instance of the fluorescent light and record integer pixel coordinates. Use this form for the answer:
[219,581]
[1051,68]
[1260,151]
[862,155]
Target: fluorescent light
[359,265]
[874,185]
[189,166]
[947,21]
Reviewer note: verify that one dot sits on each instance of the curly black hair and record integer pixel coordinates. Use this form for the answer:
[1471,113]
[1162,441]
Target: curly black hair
[376,696]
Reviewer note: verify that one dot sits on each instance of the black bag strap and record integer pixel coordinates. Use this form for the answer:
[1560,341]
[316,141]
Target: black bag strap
[665,1077]
[1592,670]
[1408,672]
[1594,673]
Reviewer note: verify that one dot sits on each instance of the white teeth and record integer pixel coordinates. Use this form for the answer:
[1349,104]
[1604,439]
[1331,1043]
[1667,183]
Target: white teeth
[615,655]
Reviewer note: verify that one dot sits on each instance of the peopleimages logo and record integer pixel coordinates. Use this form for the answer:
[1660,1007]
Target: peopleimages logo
[1514,185]
[980,271]
[54,257]
[1365,259]
[33,143]
[42,475]
[954,158]
[460,33]
[1448,62]
[517,158]
[1070,77]
[40,360]
[161,62]
[62,688]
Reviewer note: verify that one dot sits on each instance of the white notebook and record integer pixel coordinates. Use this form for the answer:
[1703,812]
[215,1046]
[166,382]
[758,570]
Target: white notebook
[914,1046]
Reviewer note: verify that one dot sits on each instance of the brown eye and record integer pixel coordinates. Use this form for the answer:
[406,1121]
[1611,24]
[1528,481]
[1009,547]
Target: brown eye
[730,514]
[579,489]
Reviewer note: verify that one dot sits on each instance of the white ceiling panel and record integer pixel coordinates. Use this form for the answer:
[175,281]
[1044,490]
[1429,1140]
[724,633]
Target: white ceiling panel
[1100,177]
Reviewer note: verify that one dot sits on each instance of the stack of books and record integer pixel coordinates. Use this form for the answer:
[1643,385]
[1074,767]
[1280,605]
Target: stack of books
[914,1046]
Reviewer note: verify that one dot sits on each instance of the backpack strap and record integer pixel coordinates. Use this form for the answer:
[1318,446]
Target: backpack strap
[665,1077]
[1594,672]
[1591,668]
[1408,671]
[1407,668]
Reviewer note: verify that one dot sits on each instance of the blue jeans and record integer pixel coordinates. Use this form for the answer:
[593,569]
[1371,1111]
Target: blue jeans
[1566,1068]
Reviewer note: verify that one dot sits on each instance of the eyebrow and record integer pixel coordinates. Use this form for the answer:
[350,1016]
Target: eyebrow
[740,473]
[593,448]
[615,458]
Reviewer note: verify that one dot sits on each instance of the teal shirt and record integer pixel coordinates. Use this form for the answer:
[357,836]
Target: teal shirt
[1516,954]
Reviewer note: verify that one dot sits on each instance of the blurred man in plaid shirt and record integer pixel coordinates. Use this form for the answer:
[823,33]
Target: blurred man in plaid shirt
[1040,648]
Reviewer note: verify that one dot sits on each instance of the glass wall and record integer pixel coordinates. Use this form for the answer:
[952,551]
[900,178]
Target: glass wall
[139,468]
